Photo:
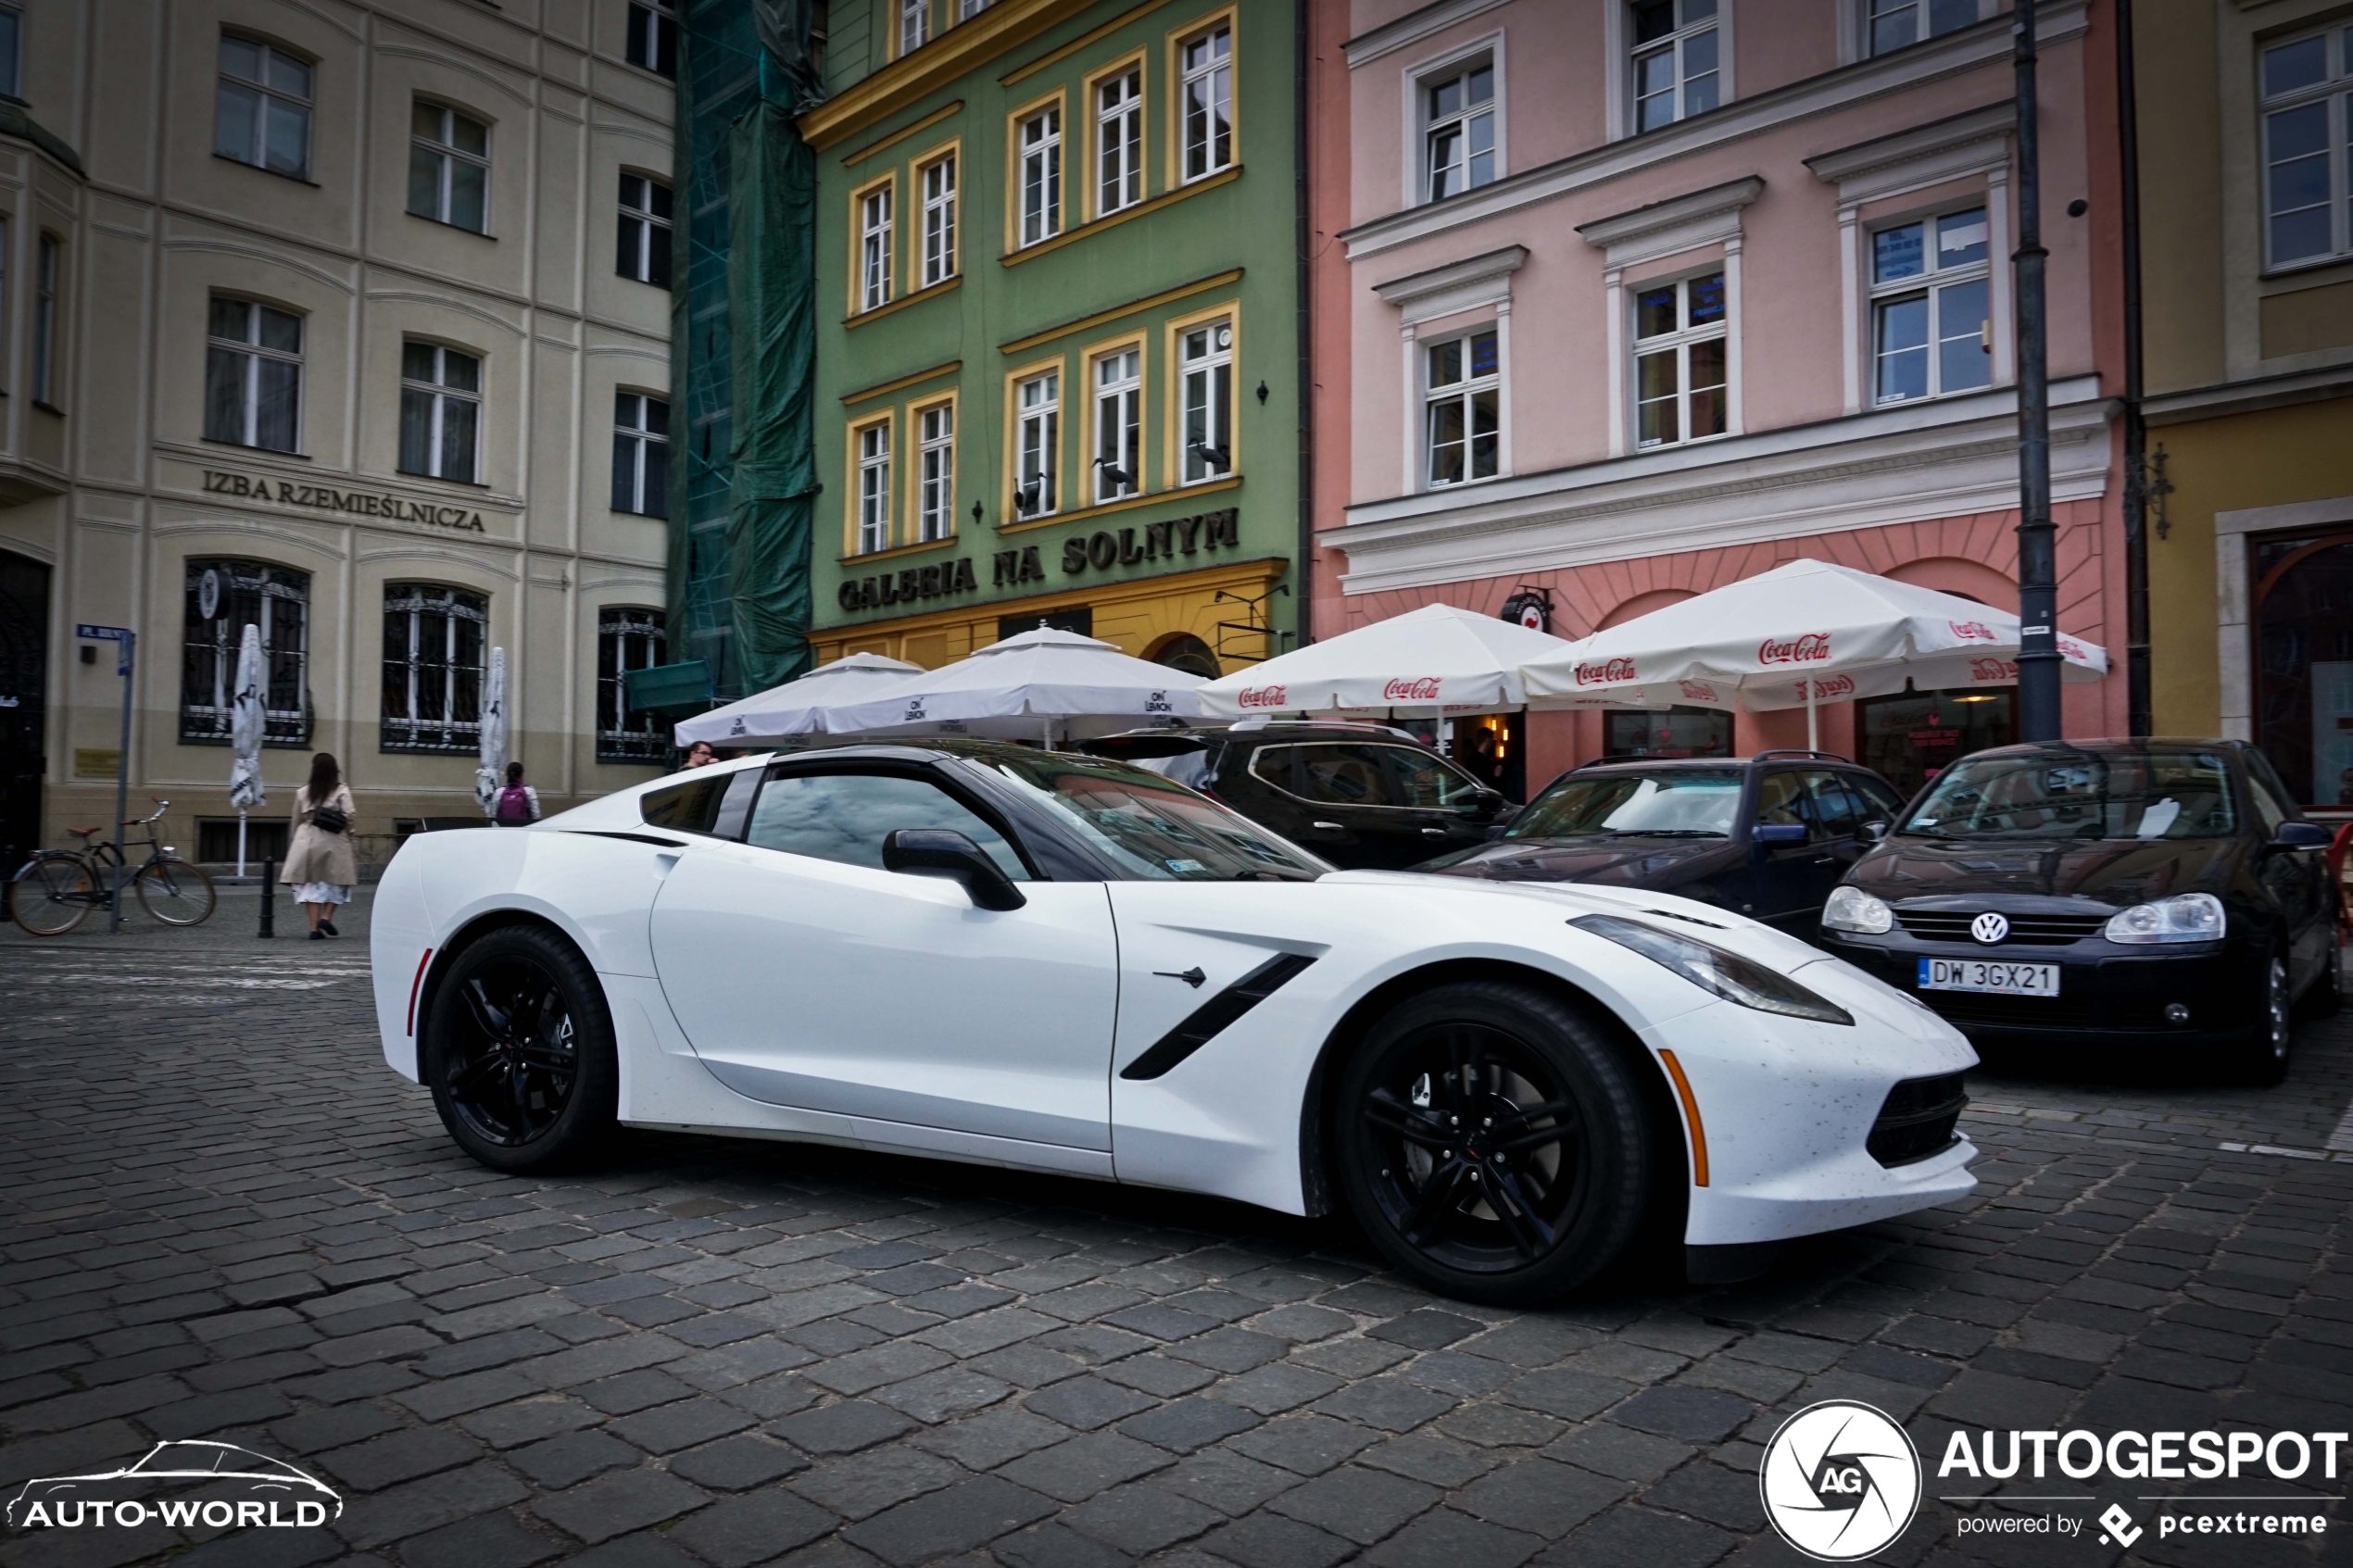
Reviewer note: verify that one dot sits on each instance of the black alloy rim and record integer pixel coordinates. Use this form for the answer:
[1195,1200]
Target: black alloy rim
[1481,1155]
[513,1053]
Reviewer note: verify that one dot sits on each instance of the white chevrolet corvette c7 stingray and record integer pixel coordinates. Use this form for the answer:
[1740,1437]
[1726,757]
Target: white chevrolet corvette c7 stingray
[981,952]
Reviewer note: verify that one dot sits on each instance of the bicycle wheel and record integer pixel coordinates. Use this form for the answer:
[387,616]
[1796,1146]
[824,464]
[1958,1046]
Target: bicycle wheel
[175,892]
[50,896]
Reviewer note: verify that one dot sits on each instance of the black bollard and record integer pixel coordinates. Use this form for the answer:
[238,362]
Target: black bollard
[269,899]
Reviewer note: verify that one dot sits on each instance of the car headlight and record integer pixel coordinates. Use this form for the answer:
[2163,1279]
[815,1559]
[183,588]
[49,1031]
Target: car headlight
[2185,917]
[1851,909]
[1729,975]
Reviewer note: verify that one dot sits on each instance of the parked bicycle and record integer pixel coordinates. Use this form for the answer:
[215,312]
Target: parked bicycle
[57,889]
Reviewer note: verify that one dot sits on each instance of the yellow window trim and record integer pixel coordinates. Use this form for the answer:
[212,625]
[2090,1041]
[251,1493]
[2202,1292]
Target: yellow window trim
[951,149]
[961,50]
[1231,17]
[1135,61]
[952,400]
[903,383]
[1138,340]
[859,318]
[870,148]
[1102,317]
[1008,470]
[1231,313]
[1058,99]
[1021,73]
[889,418]
[1015,257]
[858,194]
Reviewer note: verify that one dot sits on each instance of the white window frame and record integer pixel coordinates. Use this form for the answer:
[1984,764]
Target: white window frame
[1119,141]
[634,434]
[652,231]
[1932,280]
[1208,83]
[250,351]
[1200,441]
[414,602]
[265,94]
[1678,342]
[873,487]
[1424,79]
[1922,14]
[1119,422]
[936,180]
[936,472]
[967,9]
[1465,390]
[914,25]
[45,319]
[1625,77]
[1038,137]
[1037,434]
[442,147]
[658,28]
[875,222]
[440,393]
[2334,95]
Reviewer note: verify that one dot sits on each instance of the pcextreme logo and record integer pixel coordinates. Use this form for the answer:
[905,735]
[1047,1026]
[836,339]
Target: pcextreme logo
[229,1487]
[1840,1480]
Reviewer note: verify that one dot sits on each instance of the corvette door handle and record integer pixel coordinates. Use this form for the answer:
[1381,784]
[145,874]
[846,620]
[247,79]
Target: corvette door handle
[1328,827]
[1194,976]
[1434,832]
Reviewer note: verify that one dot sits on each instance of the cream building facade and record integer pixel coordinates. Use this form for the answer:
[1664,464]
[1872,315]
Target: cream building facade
[349,320]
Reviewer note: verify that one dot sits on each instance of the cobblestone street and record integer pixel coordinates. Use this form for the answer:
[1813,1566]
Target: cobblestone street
[221,1216]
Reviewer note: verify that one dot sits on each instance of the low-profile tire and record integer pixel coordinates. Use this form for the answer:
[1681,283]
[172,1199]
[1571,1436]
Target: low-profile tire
[2325,999]
[1491,1142]
[518,1049]
[2263,1060]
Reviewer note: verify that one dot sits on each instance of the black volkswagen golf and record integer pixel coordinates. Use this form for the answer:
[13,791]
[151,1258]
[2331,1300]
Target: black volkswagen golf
[2118,892]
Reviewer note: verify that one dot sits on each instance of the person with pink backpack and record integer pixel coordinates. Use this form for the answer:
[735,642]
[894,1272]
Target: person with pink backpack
[517,805]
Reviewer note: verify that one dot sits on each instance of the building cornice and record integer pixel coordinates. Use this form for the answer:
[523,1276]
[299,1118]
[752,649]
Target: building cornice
[1455,287]
[2246,396]
[1923,155]
[961,50]
[1411,28]
[1679,223]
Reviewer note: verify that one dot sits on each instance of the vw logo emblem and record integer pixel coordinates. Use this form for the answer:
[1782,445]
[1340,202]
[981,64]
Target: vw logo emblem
[1840,1481]
[1989,927]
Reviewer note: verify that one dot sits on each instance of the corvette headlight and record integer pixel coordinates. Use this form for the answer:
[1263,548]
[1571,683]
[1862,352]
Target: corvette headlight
[1729,975]
[1851,909]
[2185,917]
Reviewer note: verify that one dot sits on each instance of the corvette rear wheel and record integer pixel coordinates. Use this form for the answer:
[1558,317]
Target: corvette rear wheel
[1492,1143]
[518,1049]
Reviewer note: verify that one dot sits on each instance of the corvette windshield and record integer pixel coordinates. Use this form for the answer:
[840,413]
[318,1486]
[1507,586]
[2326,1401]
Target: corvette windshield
[2086,794]
[1689,804]
[1153,828]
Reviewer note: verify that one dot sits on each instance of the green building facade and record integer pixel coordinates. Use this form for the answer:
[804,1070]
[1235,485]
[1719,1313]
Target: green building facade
[1058,327]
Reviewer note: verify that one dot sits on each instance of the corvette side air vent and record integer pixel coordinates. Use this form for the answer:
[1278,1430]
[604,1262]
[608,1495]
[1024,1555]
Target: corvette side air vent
[1917,1120]
[1213,1016]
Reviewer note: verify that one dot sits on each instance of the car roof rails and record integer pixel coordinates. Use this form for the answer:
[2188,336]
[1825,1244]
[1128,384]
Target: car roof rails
[1268,722]
[1650,757]
[1800,751]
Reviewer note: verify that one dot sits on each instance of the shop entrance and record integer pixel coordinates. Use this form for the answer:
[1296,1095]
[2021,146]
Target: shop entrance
[1908,738]
[24,681]
[1490,748]
[2303,603]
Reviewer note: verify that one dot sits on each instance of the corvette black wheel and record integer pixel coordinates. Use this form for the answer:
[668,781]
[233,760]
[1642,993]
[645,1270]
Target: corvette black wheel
[1492,1143]
[518,1048]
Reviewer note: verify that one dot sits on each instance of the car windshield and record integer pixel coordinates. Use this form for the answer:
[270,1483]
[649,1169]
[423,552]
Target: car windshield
[2132,795]
[1152,827]
[1688,804]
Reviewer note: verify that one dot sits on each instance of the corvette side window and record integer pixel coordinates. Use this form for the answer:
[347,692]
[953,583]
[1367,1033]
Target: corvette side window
[845,817]
[691,806]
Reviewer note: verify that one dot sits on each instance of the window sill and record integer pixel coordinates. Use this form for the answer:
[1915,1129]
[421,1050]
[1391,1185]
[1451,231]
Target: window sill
[1125,504]
[1167,198]
[904,300]
[460,228]
[273,173]
[626,278]
[2301,271]
[1433,489]
[896,551]
[48,407]
[245,446]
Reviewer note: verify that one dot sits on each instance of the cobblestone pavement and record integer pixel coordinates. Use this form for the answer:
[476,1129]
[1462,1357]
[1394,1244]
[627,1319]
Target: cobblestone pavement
[222,1217]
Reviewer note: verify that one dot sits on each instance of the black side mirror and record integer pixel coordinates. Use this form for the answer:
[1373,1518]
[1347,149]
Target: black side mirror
[2300,835]
[1483,806]
[1770,835]
[945,852]
[1875,831]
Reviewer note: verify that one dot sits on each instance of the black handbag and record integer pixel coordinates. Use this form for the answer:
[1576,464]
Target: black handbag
[326,818]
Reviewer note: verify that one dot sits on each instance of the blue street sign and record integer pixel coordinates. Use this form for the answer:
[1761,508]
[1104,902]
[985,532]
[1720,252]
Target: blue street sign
[102,633]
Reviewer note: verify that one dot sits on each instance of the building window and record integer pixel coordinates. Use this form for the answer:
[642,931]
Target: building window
[1119,141]
[7,234]
[440,407]
[434,639]
[1119,424]
[1679,361]
[449,167]
[262,114]
[938,178]
[643,251]
[640,455]
[1462,409]
[1041,175]
[915,24]
[935,472]
[11,50]
[1205,401]
[1458,135]
[1036,444]
[1895,23]
[626,640]
[874,248]
[1931,330]
[1675,63]
[253,375]
[2308,148]
[653,36]
[223,598]
[44,322]
[1208,88]
[2297,586]
[873,487]
[967,9]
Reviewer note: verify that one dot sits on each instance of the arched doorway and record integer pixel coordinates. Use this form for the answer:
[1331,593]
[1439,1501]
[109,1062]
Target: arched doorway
[1183,651]
[2303,609]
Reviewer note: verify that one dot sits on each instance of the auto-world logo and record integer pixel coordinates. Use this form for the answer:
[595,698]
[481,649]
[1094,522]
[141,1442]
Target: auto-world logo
[1811,648]
[1422,689]
[1972,631]
[1992,669]
[1261,697]
[2119,1524]
[1608,672]
[1840,1480]
[229,1487]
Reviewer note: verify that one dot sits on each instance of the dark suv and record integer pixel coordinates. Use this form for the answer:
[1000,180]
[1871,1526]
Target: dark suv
[1766,837]
[1361,796]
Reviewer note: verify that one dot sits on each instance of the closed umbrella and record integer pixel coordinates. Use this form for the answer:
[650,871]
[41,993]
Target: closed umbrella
[1037,684]
[792,709]
[1438,658]
[1804,633]
[488,777]
[247,721]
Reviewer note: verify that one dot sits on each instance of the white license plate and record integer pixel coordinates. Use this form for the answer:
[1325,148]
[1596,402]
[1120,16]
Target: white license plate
[1993,978]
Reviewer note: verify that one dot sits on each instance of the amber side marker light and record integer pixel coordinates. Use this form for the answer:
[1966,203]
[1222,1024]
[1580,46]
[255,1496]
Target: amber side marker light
[1691,1115]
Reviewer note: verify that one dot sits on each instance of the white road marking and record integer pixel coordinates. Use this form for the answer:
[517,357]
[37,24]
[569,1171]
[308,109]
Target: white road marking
[2342,1139]
[215,980]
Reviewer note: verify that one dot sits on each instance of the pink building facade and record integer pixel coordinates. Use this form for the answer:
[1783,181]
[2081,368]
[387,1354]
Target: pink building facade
[1616,301]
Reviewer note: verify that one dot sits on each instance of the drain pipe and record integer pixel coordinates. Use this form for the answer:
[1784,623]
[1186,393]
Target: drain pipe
[2140,720]
[1303,601]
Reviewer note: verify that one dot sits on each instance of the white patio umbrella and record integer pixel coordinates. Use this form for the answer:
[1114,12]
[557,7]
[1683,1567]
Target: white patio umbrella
[247,719]
[1039,683]
[1437,658]
[791,708]
[1804,632]
[491,774]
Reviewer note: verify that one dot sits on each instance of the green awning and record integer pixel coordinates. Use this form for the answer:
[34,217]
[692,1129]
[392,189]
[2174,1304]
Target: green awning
[672,690]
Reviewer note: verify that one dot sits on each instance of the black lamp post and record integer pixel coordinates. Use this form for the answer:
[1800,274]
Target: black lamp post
[2038,655]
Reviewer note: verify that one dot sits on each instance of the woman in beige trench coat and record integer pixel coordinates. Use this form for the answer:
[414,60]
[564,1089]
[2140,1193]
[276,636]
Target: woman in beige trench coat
[321,866]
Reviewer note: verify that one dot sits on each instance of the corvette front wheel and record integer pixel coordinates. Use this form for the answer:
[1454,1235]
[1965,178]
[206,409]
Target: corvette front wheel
[518,1049]
[1492,1143]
